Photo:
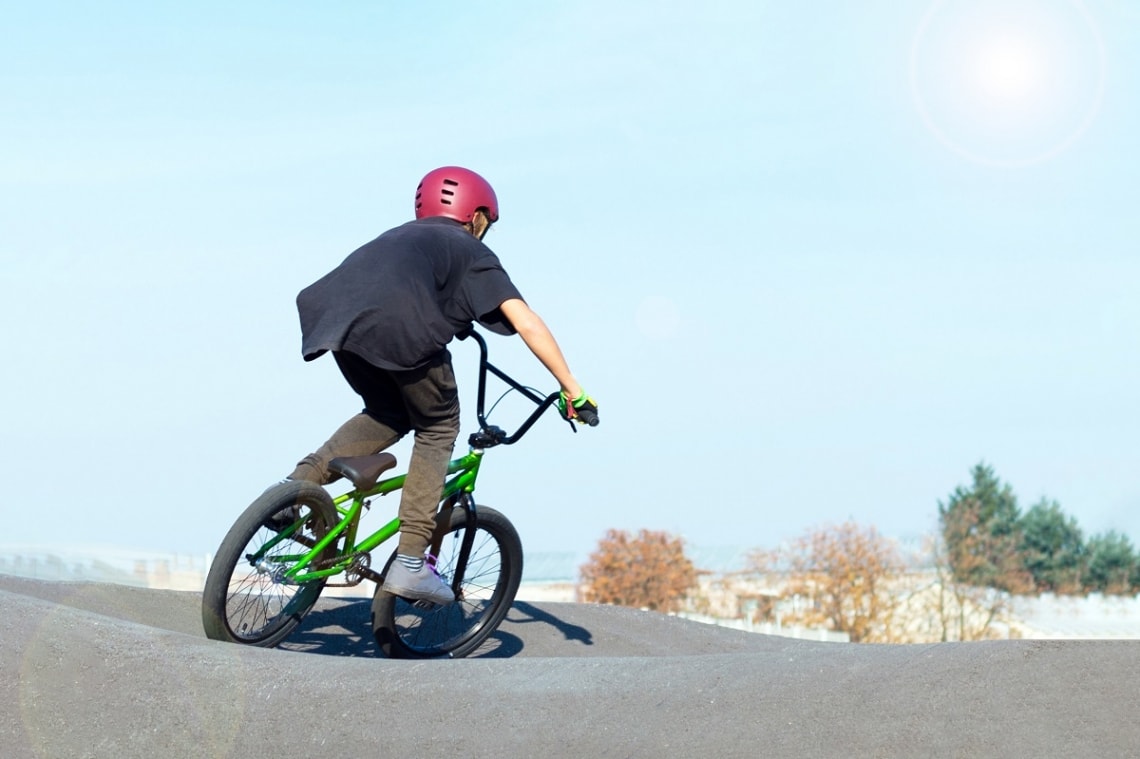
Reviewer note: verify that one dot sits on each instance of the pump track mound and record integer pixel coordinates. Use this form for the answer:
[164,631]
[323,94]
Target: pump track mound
[97,670]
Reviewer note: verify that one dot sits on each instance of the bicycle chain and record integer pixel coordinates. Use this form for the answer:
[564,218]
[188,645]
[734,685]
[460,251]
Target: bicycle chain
[355,559]
[352,574]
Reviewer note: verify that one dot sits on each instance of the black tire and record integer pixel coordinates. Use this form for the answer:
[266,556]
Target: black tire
[405,629]
[248,603]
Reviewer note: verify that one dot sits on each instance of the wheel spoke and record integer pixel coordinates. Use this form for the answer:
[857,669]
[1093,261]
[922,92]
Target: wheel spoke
[247,598]
[489,581]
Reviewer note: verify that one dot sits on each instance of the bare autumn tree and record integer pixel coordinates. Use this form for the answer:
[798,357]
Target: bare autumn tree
[646,571]
[842,573]
[941,608]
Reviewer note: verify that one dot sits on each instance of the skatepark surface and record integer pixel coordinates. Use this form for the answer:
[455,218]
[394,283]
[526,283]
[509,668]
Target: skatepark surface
[99,670]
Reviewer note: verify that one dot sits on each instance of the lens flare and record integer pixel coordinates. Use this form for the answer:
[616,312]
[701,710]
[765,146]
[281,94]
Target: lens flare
[1007,82]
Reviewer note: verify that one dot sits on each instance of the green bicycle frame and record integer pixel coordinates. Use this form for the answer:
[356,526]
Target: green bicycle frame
[351,506]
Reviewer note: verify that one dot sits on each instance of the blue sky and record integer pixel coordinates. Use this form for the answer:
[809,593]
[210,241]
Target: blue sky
[815,260]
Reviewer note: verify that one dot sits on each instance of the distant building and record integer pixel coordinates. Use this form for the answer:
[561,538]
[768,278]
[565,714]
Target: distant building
[727,594]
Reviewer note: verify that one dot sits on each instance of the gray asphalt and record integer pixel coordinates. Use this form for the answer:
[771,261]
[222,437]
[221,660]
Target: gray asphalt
[93,670]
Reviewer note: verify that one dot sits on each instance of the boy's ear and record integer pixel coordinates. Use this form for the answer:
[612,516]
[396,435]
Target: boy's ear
[479,224]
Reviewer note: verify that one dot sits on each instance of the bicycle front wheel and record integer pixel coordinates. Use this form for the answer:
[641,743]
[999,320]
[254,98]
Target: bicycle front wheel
[247,597]
[409,629]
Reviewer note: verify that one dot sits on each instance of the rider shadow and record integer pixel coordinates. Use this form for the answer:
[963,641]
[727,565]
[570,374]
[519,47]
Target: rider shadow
[523,613]
[343,627]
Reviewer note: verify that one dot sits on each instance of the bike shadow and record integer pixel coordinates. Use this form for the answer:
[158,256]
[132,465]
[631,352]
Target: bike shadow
[343,627]
[338,627]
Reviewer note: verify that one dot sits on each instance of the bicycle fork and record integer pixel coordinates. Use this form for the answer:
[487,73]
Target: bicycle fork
[471,520]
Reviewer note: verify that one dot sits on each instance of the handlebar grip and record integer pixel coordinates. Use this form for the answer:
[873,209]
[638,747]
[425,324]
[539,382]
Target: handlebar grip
[588,416]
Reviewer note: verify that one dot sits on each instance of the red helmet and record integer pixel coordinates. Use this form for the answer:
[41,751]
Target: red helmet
[455,193]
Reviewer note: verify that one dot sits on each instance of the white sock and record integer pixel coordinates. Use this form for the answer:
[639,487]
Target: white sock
[414,563]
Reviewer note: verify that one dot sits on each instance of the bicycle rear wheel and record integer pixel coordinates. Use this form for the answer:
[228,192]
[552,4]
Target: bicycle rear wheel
[407,629]
[247,598]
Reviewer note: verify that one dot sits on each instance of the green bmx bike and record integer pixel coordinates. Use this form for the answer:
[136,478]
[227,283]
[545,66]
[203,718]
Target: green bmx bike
[297,539]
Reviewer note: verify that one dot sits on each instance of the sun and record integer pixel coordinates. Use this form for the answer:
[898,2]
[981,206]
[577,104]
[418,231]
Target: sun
[1009,69]
[1007,82]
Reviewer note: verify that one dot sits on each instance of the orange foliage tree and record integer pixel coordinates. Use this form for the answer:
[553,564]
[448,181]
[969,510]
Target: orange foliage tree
[646,571]
[840,577]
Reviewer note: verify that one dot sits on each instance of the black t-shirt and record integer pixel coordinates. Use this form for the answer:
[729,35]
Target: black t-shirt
[398,300]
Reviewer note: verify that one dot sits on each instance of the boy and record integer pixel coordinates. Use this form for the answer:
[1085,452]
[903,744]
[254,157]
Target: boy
[387,313]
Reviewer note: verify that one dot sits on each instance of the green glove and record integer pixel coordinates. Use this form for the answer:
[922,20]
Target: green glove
[582,409]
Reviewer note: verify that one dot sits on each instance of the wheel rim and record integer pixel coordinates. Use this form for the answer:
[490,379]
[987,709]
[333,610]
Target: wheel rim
[259,599]
[430,629]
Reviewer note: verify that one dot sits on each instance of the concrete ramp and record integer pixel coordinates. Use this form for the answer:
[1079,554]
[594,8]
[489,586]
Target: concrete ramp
[108,671]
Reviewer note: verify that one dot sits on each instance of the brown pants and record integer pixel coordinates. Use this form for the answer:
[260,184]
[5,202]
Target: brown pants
[425,400]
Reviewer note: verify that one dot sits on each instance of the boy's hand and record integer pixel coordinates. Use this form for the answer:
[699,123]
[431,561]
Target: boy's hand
[582,409]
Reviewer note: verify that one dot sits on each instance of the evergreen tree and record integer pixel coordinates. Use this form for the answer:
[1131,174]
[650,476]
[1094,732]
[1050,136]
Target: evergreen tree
[1112,564]
[980,526]
[1052,548]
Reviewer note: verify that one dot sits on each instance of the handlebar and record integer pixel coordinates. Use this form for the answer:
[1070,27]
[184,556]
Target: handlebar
[489,435]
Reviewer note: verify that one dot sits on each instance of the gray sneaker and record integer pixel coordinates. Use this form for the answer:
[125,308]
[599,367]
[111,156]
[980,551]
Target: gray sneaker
[424,585]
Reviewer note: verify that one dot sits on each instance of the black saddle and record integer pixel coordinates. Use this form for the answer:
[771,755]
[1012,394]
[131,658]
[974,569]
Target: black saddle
[363,471]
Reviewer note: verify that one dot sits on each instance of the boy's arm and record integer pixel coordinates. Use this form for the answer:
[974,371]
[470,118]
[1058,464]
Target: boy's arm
[537,336]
